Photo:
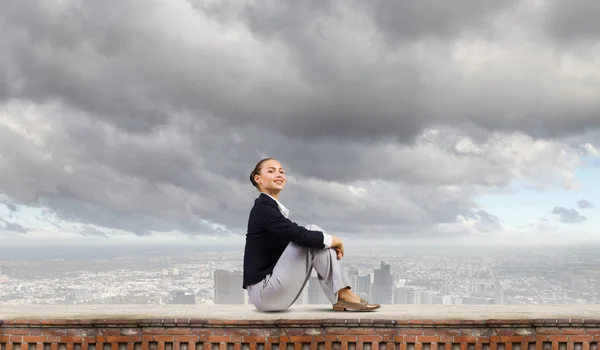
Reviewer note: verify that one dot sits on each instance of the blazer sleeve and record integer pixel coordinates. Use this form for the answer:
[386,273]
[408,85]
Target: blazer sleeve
[278,224]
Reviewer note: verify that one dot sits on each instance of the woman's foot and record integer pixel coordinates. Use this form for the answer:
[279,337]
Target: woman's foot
[348,295]
[348,300]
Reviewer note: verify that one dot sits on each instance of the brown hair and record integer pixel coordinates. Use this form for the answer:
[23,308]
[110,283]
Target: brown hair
[257,170]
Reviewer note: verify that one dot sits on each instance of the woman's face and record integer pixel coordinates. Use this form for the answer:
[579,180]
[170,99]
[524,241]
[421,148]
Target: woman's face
[271,177]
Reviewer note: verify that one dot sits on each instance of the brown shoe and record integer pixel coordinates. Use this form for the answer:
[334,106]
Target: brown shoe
[343,305]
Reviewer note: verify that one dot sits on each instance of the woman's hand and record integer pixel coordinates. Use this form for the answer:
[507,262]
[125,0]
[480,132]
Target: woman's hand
[337,244]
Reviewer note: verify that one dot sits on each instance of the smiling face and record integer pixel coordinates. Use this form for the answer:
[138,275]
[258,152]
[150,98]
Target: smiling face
[270,177]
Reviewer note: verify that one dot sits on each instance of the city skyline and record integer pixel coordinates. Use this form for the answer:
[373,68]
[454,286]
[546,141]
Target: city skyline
[413,275]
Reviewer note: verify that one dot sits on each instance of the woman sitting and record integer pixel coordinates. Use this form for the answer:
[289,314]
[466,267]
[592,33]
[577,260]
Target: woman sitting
[280,255]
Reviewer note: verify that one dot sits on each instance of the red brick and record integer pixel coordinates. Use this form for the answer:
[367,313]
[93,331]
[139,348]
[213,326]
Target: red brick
[16,339]
[164,338]
[218,338]
[186,338]
[410,331]
[33,339]
[410,339]
[581,338]
[563,331]
[465,339]
[387,338]
[370,338]
[72,339]
[293,339]
[253,339]
[347,338]
[511,339]
[272,340]
[429,331]
[360,331]
[201,331]
[386,331]
[179,331]
[505,332]
[558,338]
[119,338]
[428,338]
[453,332]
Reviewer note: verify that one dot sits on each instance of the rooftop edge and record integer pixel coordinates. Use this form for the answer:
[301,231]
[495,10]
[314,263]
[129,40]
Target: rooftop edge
[207,315]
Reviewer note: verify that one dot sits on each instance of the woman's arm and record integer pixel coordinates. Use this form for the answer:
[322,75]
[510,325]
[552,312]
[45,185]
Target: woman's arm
[278,224]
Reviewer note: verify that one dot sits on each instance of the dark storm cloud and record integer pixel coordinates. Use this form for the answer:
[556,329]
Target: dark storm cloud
[103,176]
[584,204]
[570,216]
[12,207]
[149,116]
[13,227]
[134,64]
[574,20]
[406,20]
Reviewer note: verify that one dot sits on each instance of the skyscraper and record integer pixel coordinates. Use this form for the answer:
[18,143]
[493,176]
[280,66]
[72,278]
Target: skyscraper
[228,288]
[364,286]
[382,284]
[315,292]
[353,278]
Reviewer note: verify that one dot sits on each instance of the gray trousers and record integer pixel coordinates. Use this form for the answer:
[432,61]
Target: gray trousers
[279,291]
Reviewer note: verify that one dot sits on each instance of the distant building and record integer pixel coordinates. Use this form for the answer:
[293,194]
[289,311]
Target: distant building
[353,278]
[476,301]
[364,286]
[182,297]
[315,292]
[382,284]
[411,295]
[228,287]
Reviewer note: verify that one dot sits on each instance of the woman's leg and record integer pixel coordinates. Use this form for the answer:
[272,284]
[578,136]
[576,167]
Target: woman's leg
[280,290]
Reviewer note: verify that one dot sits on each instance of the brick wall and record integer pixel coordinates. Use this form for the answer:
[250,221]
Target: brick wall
[334,334]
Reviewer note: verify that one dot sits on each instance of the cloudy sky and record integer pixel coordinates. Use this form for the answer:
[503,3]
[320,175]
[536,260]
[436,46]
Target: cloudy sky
[140,121]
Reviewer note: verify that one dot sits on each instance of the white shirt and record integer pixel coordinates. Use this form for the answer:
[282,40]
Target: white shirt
[327,239]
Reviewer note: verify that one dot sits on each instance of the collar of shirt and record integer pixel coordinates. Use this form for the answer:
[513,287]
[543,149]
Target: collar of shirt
[284,211]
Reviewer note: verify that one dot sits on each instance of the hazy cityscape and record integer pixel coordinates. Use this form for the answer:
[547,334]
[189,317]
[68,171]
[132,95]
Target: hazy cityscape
[387,275]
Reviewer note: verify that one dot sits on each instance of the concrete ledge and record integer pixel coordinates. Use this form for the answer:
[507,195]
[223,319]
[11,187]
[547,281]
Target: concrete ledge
[246,314]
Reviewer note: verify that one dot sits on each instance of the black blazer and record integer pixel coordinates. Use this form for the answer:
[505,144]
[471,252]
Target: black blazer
[269,233]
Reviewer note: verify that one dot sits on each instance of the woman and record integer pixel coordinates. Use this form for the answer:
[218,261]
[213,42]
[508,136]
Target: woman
[279,255]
